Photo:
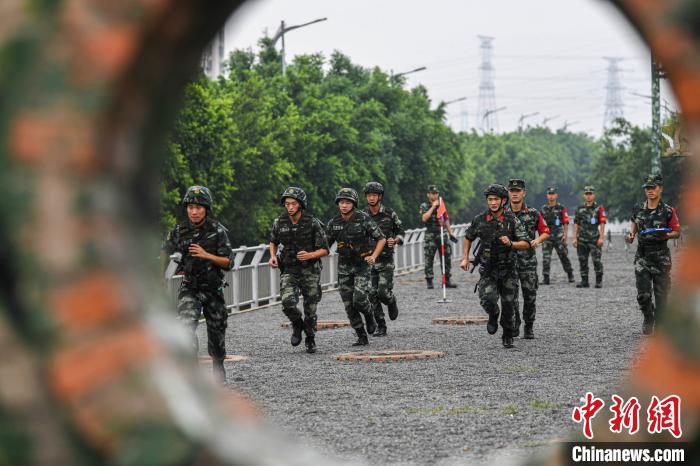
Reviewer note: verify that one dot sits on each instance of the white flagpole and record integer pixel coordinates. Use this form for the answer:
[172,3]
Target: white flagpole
[442,262]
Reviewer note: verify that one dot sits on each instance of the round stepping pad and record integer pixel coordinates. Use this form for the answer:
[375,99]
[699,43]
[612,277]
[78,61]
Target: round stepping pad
[460,320]
[389,356]
[324,324]
[230,357]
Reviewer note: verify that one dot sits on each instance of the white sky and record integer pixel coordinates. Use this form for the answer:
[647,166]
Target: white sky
[548,54]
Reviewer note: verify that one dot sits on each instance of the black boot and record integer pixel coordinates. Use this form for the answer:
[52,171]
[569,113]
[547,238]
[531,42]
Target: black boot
[381,328]
[393,309]
[370,323]
[584,283]
[528,333]
[492,325]
[516,326]
[571,276]
[297,327]
[507,341]
[599,280]
[648,325]
[545,279]
[361,337]
[430,283]
[310,343]
[219,371]
[449,284]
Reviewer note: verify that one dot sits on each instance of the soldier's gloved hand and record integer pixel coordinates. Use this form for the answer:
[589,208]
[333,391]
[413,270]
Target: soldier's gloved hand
[453,238]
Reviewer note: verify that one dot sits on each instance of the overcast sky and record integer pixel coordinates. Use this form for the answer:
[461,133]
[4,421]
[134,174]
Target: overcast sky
[547,55]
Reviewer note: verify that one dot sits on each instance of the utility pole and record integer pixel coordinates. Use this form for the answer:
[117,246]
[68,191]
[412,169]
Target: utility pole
[655,116]
[487,89]
[280,35]
[613,96]
[416,70]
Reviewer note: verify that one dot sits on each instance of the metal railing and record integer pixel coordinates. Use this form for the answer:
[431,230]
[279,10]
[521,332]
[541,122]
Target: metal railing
[252,283]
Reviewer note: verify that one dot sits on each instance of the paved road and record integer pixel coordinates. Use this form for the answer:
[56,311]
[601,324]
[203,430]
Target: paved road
[479,403]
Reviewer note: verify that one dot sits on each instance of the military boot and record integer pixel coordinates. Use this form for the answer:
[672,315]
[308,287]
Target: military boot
[430,283]
[361,337]
[297,327]
[545,279]
[528,334]
[507,341]
[648,325]
[219,371]
[599,280]
[584,283]
[370,323]
[393,309]
[492,325]
[571,276]
[310,342]
[516,326]
[449,284]
[381,328]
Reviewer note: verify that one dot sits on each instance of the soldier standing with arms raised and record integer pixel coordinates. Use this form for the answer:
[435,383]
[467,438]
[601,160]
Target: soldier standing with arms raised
[500,233]
[432,241]
[354,231]
[655,222]
[301,241]
[589,234]
[538,232]
[206,253]
[382,272]
[557,220]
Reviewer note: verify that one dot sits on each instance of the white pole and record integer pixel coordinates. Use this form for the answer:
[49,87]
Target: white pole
[442,252]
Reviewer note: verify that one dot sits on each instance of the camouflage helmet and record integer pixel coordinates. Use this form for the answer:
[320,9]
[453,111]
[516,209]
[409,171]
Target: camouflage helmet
[295,193]
[347,193]
[374,187]
[198,195]
[496,190]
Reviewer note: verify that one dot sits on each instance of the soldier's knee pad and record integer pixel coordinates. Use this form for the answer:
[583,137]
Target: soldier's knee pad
[290,301]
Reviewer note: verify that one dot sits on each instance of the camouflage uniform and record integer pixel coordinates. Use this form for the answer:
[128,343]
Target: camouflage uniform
[354,238]
[299,277]
[201,290]
[557,220]
[588,218]
[534,224]
[652,262]
[497,264]
[431,244]
[382,273]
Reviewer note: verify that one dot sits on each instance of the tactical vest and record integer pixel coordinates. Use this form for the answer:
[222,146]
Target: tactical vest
[494,252]
[553,215]
[433,223]
[385,224]
[295,238]
[199,273]
[353,243]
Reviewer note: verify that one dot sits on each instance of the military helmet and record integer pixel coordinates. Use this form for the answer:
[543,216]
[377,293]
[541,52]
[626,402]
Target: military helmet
[198,195]
[347,193]
[295,193]
[374,187]
[496,190]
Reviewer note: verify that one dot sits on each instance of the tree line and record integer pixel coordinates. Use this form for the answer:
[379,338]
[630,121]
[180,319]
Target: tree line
[330,123]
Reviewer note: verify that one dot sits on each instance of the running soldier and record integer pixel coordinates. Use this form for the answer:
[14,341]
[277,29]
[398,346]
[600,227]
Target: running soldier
[557,220]
[382,272]
[589,234]
[300,241]
[655,222]
[500,233]
[432,242]
[538,232]
[354,231]
[205,253]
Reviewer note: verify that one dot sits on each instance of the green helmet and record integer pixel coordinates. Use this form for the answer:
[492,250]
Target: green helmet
[347,193]
[496,190]
[198,195]
[294,193]
[374,187]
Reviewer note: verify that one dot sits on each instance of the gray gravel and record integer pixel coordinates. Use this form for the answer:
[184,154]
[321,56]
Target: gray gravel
[479,403]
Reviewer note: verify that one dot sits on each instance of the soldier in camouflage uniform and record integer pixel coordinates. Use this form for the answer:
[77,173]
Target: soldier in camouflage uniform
[557,220]
[383,270]
[589,234]
[431,240]
[500,234]
[538,232]
[205,253]
[652,263]
[355,231]
[299,239]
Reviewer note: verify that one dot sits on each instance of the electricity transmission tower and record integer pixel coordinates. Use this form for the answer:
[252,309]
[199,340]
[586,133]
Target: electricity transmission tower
[613,96]
[486,115]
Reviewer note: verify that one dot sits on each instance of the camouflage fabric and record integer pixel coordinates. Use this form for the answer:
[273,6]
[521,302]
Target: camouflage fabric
[431,245]
[556,217]
[354,237]
[652,262]
[304,281]
[382,279]
[504,286]
[388,221]
[555,242]
[202,288]
[584,249]
[589,218]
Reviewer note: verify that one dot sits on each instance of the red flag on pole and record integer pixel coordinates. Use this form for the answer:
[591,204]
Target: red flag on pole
[442,212]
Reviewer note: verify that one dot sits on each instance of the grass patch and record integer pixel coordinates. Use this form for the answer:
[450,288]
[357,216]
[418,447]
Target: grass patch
[467,409]
[510,408]
[544,404]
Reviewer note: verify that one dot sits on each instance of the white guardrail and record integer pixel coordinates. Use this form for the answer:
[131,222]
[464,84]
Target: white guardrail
[253,284]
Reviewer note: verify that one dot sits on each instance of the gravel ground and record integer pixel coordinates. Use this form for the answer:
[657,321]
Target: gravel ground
[478,404]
